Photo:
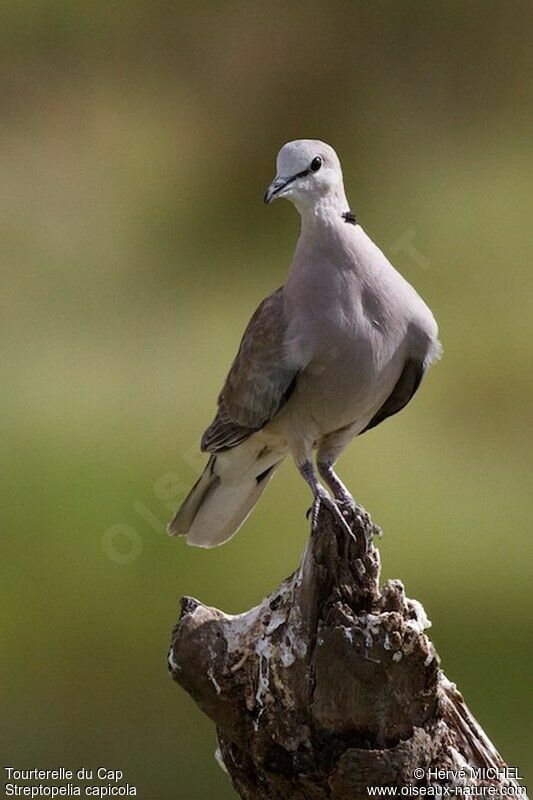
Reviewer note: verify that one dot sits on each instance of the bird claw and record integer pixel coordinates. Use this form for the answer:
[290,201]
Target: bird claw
[345,499]
[351,508]
[365,520]
[348,507]
[336,512]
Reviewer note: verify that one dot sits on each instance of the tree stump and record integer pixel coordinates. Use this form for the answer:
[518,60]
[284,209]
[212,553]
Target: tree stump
[331,685]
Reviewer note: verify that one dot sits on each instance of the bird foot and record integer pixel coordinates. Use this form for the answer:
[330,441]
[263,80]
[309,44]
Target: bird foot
[347,503]
[323,498]
[351,508]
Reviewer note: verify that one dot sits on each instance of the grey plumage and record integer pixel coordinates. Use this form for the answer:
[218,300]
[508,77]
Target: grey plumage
[338,349]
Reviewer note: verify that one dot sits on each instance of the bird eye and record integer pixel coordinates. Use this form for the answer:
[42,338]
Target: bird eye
[316,163]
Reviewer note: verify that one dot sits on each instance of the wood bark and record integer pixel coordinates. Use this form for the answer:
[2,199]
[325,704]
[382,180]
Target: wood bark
[331,685]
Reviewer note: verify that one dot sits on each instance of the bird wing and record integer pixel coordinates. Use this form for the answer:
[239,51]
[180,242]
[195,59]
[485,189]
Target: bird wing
[259,382]
[405,388]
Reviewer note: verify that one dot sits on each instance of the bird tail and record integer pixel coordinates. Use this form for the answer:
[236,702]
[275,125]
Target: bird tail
[215,509]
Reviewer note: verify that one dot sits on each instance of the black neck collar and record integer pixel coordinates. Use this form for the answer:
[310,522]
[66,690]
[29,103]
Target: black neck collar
[349,217]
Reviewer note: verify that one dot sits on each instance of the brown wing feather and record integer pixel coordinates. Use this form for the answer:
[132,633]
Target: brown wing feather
[259,382]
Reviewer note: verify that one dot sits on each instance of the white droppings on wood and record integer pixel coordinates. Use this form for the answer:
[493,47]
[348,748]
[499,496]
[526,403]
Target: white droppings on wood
[292,646]
[447,684]
[263,649]
[238,625]
[278,618]
[219,759]
[397,656]
[174,666]
[370,627]
[213,680]
[421,622]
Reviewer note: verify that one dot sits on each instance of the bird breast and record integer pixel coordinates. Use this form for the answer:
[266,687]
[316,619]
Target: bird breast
[351,359]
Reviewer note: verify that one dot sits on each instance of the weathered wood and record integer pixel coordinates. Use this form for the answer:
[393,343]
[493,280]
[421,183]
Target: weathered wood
[330,685]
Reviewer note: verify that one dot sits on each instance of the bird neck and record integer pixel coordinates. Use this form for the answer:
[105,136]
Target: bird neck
[325,211]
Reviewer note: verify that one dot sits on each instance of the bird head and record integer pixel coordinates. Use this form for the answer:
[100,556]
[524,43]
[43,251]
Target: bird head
[308,172]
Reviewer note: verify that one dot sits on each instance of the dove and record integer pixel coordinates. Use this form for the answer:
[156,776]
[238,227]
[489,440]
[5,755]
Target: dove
[338,349]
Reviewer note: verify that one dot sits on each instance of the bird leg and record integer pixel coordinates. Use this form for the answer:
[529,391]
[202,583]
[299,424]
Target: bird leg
[321,497]
[343,496]
[340,492]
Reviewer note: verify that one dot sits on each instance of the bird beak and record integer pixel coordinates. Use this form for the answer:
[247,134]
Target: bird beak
[275,188]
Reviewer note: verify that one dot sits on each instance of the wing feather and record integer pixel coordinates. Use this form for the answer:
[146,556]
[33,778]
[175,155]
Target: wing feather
[405,388]
[259,382]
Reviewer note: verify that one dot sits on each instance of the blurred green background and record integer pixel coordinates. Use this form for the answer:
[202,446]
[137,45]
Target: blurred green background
[137,139]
